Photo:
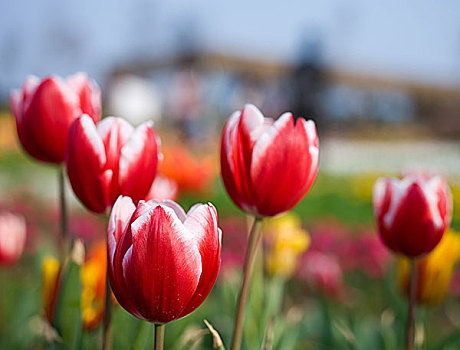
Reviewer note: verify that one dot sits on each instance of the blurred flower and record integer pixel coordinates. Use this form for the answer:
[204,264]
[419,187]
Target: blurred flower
[45,109]
[267,167]
[93,277]
[8,139]
[50,285]
[322,272]
[162,262]
[12,237]
[434,271]
[163,188]
[234,239]
[286,241]
[356,250]
[110,159]
[365,253]
[191,174]
[412,213]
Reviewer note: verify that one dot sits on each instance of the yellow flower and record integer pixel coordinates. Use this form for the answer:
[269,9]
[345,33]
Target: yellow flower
[433,271]
[8,135]
[50,271]
[286,241]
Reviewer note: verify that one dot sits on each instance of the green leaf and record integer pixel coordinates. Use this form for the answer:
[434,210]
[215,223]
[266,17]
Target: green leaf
[68,317]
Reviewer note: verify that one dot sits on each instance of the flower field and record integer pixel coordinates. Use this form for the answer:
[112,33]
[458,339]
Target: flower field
[322,277]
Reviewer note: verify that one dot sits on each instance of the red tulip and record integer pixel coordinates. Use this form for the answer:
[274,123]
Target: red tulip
[44,111]
[412,213]
[109,160]
[12,237]
[267,167]
[162,262]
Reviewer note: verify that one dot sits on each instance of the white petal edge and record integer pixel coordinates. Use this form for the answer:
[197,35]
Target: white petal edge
[95,140]
[132,149]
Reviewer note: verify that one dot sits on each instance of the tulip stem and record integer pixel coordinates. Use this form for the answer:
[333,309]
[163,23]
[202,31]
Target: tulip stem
[63,213]
[254,242]
[411,307]
[159,336]
[107,325]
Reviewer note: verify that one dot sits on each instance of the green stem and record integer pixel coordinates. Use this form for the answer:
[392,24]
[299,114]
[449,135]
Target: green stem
[107,325]
[254,242]
[159,336]
[63,213]
[411,305]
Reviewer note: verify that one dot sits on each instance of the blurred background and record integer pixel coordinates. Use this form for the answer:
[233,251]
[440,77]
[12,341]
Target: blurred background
[381,80]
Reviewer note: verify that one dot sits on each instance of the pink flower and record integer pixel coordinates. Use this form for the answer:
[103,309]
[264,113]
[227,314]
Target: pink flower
[322,272]
[109,160]
[44,111]
[268,166]
[162,262]
[12,237]
[412,213]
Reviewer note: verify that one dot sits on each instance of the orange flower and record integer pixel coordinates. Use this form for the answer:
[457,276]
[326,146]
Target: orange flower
[93,274]
[192,174]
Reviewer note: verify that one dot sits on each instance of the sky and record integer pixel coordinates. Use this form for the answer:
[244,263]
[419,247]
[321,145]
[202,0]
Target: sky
[409,40]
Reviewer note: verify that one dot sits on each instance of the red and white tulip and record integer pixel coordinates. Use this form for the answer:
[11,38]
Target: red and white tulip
[110,159]
[162,262]
[45,109]
[412,213]
[268,166]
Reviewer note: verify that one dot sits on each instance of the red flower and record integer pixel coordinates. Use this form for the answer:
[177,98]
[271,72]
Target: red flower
[12,238]
[412,213]
[267,167]
[162,262]
[110,159]
[44,111]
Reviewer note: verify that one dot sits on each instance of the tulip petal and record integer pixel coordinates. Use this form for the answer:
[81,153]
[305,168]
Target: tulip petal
[138,162]
[202,223]
[284,164]
[230,164]
[114,132]
[89,94]
[120,217]
[164,256]
[85,162]
[46,120]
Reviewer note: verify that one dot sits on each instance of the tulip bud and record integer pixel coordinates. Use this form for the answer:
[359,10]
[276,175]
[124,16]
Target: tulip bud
[162,262]
[44,111]
[412,213]
[12,238]
[268,166]
[110,159]
[434,271]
